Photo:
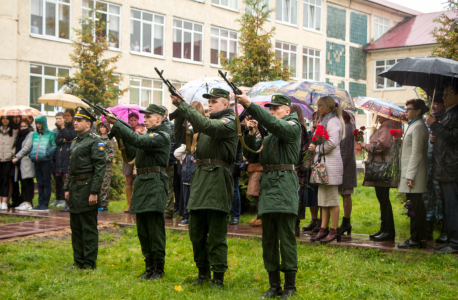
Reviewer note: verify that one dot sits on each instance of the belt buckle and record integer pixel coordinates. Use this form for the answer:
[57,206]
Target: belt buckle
[282,168]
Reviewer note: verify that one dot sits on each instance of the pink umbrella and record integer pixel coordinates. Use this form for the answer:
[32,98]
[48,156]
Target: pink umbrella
[122,111]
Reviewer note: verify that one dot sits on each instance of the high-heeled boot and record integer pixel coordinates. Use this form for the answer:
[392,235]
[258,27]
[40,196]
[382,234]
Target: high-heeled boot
[321,234]
[310,226]
[334,234]
[318,226]
[345,226]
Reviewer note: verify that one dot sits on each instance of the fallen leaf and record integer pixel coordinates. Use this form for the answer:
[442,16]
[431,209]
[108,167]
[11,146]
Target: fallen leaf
[119,255]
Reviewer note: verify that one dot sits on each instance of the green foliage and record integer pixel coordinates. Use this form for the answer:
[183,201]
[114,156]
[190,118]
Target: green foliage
[94,78]
[118,182]
[447,33]
[258,62]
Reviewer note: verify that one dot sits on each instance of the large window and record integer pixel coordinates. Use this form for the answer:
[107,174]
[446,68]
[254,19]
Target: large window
[50,18]
[311,64]
[43,80]
[381,26]
[265,3]
[288,53]
[107,13]
[230,4]
[286,11]
[145,91]
[381,82]
[312,14]
[187,40]
[146,32]
[222,42]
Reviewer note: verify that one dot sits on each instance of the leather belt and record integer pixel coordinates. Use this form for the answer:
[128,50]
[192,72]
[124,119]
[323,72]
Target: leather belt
[146,170]
[279,167]
[211,161]
[80,177]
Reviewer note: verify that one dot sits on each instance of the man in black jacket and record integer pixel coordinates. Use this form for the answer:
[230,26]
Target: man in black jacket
[170,207]
[444,135]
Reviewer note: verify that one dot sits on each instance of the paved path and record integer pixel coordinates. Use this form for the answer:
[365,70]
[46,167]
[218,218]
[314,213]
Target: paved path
[55,220]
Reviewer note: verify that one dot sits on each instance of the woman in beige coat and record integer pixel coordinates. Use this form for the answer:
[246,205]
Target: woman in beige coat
[379,148]
[7,151]
[414,172]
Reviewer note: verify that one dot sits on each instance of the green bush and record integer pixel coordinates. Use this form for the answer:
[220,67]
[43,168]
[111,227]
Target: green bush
[118,182]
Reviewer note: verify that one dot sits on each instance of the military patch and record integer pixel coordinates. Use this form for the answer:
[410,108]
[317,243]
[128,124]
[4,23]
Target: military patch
[291,122]
[153,134]
[101,146]
[225,120]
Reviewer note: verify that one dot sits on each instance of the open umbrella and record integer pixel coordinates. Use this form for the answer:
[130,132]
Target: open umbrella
[122,111]
[430,74]
[381,107]
[266,88]
[194,90]
[310,91]
[61,100]
[19,110]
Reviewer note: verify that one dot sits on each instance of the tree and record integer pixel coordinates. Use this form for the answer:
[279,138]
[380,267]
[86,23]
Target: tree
[258,62]
[94,78]
[447,34]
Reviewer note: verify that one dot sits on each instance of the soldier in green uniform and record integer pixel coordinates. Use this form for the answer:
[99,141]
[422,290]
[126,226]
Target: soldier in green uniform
[212,184]
[278,204]
[84,180]
[151,152]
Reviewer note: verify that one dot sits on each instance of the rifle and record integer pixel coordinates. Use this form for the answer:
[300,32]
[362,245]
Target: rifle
[237,91]
[105,112]
[190,148]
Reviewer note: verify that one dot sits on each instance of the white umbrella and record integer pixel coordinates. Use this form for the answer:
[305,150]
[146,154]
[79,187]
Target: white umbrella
[61,100]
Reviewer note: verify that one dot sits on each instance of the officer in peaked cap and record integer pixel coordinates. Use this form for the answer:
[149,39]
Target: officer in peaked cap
[84,180]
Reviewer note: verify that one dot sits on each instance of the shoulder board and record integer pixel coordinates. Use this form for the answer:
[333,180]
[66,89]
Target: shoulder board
[292,123]
[163,133]
[94,136]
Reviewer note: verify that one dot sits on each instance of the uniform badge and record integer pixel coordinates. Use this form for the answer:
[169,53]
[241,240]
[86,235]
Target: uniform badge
[291,122]
[225,120]
[153,134]
[273,97]
[211,92]
[101,146]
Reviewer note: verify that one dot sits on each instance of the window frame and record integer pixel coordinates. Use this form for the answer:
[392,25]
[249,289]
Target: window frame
[386,66]
[93,10]
[150,54]
[286,22]
[49,37]
[190,61]
[289,56]
[228,39]
[304,2]
[226,7]
[307,56]
[377,24]
[43,77]
[152,89]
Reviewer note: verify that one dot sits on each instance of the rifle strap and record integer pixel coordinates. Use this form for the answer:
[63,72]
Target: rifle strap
[239,132]
[190,147]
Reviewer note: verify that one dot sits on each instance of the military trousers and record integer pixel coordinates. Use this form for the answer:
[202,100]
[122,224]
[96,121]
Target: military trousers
[151,233]
[85,238]
[279,240]
[170,206]
[208,234]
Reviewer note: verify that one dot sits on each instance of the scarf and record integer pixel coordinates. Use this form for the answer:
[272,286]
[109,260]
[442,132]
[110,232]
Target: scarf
[328,117]
[20,139]
[410,122]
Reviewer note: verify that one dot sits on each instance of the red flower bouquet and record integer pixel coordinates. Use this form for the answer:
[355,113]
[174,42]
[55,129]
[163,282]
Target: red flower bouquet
[321,135]
[359,137]
[396,132]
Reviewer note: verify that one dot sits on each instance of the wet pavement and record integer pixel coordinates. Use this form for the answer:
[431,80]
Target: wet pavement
[55,220]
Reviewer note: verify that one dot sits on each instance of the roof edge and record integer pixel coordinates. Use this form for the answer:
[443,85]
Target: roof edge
[405,12]
[409,46]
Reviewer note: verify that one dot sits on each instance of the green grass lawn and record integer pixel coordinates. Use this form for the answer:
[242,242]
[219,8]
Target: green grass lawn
[35,269]
[7,219]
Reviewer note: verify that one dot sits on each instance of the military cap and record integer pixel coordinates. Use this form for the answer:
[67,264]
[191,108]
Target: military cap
[153,109]
[83,113]
[279,99]
[218,93]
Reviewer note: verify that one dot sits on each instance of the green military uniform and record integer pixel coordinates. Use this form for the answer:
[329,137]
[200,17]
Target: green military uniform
[212,184]
[85,176]
[106,185]
[151,185]
[278,202]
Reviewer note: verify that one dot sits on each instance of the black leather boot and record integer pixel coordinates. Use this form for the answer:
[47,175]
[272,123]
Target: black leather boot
[275,286]
[318,226]
[345,226]
[376,234]
[290,286]
[149,269]
[204,276]
[158,271]
[218,279]
[310,226]
[384,236]
[442,239]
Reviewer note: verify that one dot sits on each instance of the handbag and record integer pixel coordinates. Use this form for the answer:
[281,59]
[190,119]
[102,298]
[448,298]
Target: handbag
[319,174]
[376,170]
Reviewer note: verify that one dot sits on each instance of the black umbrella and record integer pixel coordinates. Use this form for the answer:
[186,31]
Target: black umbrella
[430,74]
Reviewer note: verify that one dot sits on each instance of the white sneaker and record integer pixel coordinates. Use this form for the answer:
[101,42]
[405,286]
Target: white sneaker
[54,203]
[61,203]
[4,206]
[24,207]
